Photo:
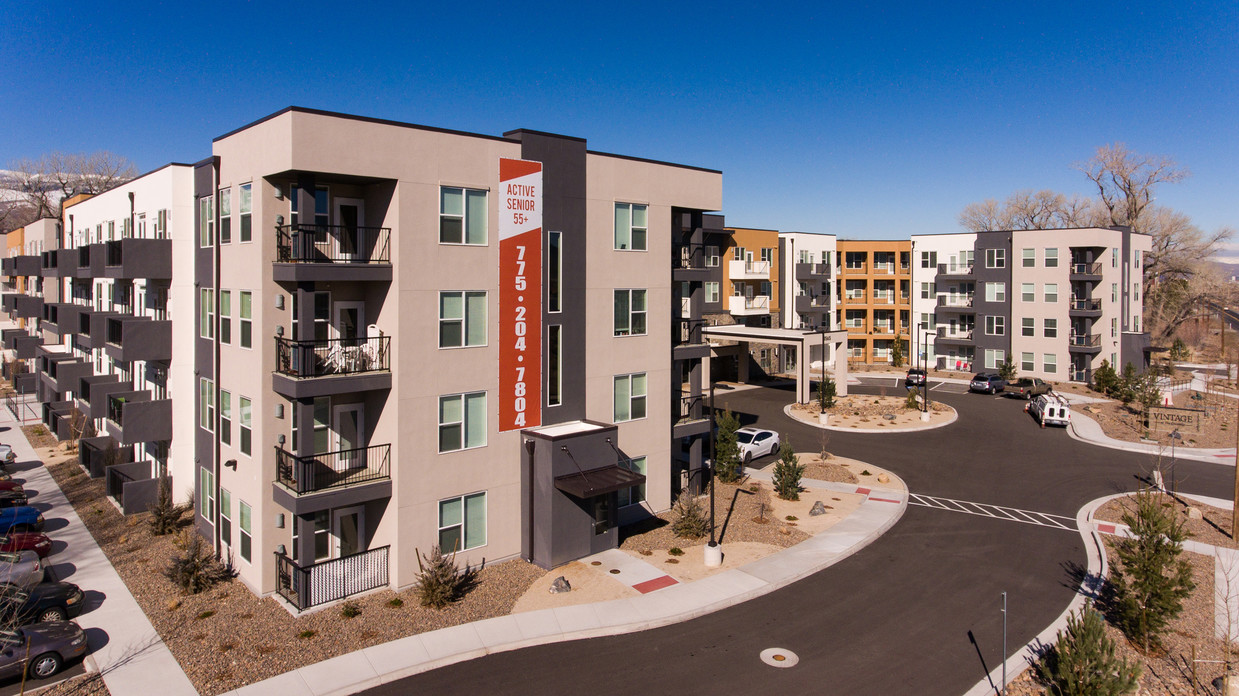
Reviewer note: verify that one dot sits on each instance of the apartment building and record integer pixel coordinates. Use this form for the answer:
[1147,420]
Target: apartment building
[1056,302]
[751,283]
[808,297]
[357,415]
[874,283]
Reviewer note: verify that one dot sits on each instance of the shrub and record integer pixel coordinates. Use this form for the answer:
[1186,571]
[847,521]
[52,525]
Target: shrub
[787,473]
[897,353]
[439,581]
[675,551]
[1082,661]
[727,449]
[195,569]
[826,392]
[165,514]
[395,602]
[308,633]
[1150,581]
[689,518]
[911,403]
[350,610]
[1007,369]
[1105,379]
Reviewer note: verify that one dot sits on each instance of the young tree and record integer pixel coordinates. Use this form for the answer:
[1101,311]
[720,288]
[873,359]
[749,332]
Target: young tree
[787,473]
[1082,661]
[727,449]
[1105,379]
[826,391]
[897,353]
[1007,370]
[1179,350]
[1150,581]
[690,519]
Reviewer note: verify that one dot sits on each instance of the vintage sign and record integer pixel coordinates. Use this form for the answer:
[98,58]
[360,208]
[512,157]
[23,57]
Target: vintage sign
[520,294]
[1167,418]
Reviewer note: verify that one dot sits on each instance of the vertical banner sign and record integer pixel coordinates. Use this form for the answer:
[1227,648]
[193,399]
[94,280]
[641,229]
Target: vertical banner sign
[520,294]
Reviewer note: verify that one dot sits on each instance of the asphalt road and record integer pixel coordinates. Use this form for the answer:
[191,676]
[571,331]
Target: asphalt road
[918,611]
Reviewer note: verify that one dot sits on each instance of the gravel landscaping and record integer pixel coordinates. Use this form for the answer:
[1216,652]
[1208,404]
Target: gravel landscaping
[1213,528]
[1217,428]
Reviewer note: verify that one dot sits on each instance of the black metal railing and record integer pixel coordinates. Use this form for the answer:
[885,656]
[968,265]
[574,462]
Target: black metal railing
[1085,340]
[306,243]
[336,356]
[1086,268]
[326,470]
[312,585]
[692,408]
[691,256]
[690,331]
[22,409]
[116,410]
[1086,305]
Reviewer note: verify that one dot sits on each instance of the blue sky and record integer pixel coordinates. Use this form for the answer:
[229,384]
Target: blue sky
[859,122]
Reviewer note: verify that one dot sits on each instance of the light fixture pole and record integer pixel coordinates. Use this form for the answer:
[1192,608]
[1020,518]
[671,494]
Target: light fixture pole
[821,369]
[1174,487]
[1004,644]
[713,552]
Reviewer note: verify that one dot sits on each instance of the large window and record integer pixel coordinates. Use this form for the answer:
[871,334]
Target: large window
[225,316]
[1028,362]
[321,208]
[247,208]
[1028,326]
[630,312]
[554,272]
[554,364]
[246,539]
[630,226]
[225,216]
[247,426]
[1028,257]
[462,319]
[712,291]
[206,403]
[247,319]
[462,522]
[1051,257]
[995,326]
[1028,292]
[1049,363]
[929,259]
[462,421]
[1051,292]
[995,292]
[994,358]
[712,257]
[206,313]
[630,391]
[462,216]
[636,494]
[225,417]
[927,291]
[1051,328]
[995,258]
[206,222]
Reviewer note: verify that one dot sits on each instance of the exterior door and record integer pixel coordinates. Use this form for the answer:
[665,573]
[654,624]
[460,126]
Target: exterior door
[348,433]
[350,323]
[350,218]
[348,531]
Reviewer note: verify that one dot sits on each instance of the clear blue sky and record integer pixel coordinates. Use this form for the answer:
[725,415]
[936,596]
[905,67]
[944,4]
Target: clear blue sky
[859,122]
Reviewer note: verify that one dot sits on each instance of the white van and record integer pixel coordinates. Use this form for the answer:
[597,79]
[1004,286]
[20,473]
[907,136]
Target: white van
[1050,409]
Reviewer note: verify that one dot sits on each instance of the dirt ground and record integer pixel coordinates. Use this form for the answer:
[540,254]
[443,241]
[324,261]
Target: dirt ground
[1213,528]
[868,412]
[1217,426]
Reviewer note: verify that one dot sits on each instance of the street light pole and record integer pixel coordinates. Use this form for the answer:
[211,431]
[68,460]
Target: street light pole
[821,369]
[1174,488]
[1004,644]
[713,463]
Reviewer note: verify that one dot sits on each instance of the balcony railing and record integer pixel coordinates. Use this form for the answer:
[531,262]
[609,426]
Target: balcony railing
[884,298]
[327,470]
[319,583]
[1082,375]
[855,299]
[337,356]
[690,331]
[954,269]
[1085,340]
[883,268]
[955,300]
[1086,268]
[692,408]
[306,243]
[1086,305]
[693,257]
[958,334]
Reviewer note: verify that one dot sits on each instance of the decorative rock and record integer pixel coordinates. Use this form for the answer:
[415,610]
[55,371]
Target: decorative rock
[560,585]
[1195,514]
[889,416]
[818,509]
[883,478]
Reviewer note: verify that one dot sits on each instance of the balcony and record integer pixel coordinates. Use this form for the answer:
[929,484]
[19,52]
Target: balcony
[688,343]
[1084,308]
[1084,343]
[958,336]
[812,303]
[93,390]
[60,318]
[136,417]
[748,270]
[96,454]
[693,418]
[883,298]
[956,303]
[133,485]
[884,328]
[305,369]
[91,260]
[813,271]
[8,266]
[48,261]
[29,307]
[138,338]
[25,346]
[855,299]
[1082,374]
[306,252]
[29,265]
[689,263]
[331,479]
[327,581]
[883,269]
[855,268]
[62,373]
[1086,272]
[138,258]
[739,305]
[951,271]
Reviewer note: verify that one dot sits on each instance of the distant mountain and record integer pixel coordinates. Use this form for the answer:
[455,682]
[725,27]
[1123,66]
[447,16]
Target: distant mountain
[1228,270]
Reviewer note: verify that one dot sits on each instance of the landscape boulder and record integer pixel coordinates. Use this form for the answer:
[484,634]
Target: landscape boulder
[818,509]
[560,585]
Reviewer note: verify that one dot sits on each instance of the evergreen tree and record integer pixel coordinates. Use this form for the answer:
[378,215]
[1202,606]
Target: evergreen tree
[1007,370]
[1179,350]
[897,353]
[1128,384]
[787,473]
[826,391]
[1105,379]
[1082,661]
[727,449]
[1150,581]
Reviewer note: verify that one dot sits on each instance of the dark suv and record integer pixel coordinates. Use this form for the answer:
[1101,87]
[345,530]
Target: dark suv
[986,383]
[915,378]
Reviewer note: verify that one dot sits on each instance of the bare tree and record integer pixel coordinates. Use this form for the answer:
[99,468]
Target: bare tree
[44,184]
[1030,210]
[1126,180]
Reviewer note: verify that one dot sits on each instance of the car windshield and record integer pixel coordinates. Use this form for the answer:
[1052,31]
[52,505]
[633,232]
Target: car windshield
[744,438]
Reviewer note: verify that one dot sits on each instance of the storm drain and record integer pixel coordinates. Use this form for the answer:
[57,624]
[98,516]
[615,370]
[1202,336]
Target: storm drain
[779,657]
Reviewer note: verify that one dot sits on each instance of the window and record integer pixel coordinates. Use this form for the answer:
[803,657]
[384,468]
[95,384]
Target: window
[554,271]
[1051,257]
[225,516]
[225,216]
[1114,257]
[995,292]
[225,417]
[995,326]
[462,421]
[206,494]
[247,426]
[927,291]
[462,216]
[712,291]
[1114,328]
[1051,328]
[712,257]
[247,317]
[246,540]
[1028,292]
[225,316]
[462,319]
[554,364]
[321,218]
[630,226]
[206,313]
[636,494]
[1114,292]
[630,393]
[1051,292]
[767,255]
[1028,257]
[995,258]
[737,253]
[765,288]
[462,522]
[247,208]
[929,259]
[1049,363]
[206,222]
[206,403]
[1135,323]
[1028,362]
[994,358]
[630,312]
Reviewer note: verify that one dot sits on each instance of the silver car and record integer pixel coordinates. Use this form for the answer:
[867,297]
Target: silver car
[41,649]
[21,569]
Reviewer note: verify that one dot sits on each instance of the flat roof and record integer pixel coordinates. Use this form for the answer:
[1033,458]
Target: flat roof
[569,428]
[759,333]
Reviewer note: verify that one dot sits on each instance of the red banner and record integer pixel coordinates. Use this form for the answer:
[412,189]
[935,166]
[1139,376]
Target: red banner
[520,294]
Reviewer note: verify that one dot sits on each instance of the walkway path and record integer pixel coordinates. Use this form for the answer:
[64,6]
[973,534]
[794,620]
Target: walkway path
[1088,430]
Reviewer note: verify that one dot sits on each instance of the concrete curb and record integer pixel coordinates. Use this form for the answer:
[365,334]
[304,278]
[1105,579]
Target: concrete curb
[787,411]
[381,664]
[1222,456]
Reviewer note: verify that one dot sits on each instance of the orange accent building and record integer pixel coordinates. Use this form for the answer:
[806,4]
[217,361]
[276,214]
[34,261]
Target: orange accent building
[750,289]
[875,300]
[14,243]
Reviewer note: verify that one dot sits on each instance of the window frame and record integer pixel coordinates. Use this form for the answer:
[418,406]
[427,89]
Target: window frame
[1028,361]
[465,318]
[645,238]
[995,258]
[244,521]
[1028,258]
[206,223]
[464,518]
[999,294]
[225,317]
[1051,297]
[1051,255]
[554,365]
[245,420]
[1028,326]
[245,310]
[206,313]
[717,287]
[633,398]
[1028,292]
[554,272]
[245,232]
[206,496]
[225,416]
[225,516]
[626,494]
[225,215]
[632,313]
[465,218]
[1049,363]
[995,325]
[1049,327]
[206,404]
[463,423]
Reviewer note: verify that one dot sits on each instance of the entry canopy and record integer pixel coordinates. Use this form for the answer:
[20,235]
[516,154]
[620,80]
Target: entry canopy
[596,482]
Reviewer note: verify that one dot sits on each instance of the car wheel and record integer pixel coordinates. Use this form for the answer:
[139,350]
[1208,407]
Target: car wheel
[45,665]
[748,458]
[53,614]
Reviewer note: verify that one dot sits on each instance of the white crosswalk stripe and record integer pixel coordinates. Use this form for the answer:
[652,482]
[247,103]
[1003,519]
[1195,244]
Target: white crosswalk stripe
[1041,519]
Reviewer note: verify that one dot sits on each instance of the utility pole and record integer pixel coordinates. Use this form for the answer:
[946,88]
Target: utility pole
[1234,515]
[1004,644]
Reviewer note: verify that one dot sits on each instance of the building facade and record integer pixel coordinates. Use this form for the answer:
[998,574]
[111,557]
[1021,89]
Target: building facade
[875,279]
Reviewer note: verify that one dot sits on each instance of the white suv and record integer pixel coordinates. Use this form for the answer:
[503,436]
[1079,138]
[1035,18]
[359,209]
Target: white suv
[1050,409]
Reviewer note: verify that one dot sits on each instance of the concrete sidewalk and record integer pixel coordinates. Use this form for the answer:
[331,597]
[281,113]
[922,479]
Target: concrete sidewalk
[363,669]
[1088,430]
[123,645]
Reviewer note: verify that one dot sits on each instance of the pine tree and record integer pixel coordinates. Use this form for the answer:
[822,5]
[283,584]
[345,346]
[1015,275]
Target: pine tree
[897,353]
[1007,370]
[1082,661]
[1128,384]
[787,473]
[1105,379]
[826,391]
[727,449]
[1150,581]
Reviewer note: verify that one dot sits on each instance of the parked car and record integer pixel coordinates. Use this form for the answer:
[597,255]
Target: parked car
[10,485]
[47,601]
[21,569]
[986,383]
[26,541]
[915,378]
[7,455]
[1028,387]
[20,519]
[755,442]
[1050,409]
[48,645]
[12,498]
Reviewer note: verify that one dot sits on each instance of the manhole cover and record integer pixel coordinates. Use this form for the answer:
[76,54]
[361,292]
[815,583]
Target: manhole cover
[779,657]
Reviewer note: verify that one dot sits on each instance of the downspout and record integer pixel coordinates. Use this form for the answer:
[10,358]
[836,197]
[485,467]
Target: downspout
[131,216]
[215,454]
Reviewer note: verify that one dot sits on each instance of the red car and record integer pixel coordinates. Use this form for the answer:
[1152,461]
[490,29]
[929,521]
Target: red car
[10,485]
[26,541]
